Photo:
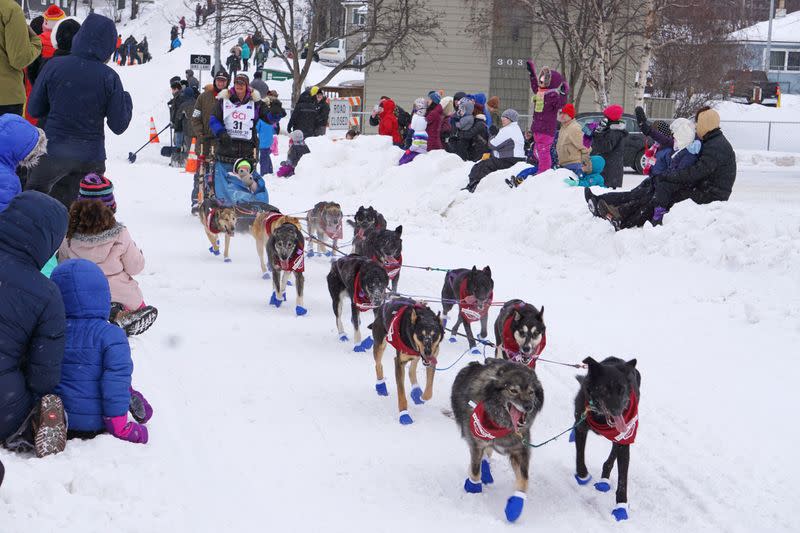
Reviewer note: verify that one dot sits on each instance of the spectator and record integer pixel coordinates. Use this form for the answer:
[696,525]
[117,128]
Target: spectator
[78,93]
[608,140]
[21,47]
[304,114]
[31,325]
[21,144]
[96,372]
[144,50]
[434,116]
[260,57]
[266,135]
[507,150]
[198,12]
[201,117]
[132,50]
[470,141]
[176,118]
[323,112]
[388,124]
[297,149]
[245,56]
[51,15]
[259,84]
[117,49]
[549,95]
[233,63]
[493,109]
[572,154]
[417,142]
[192,82]
[447,112]
[182,24]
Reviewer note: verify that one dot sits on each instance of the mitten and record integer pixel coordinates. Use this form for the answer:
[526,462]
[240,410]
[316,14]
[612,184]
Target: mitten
[486,156]
[641,118]
[139,407]
[124,430]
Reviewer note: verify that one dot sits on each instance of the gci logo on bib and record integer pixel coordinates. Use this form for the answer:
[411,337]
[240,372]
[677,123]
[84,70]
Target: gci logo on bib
[239,119]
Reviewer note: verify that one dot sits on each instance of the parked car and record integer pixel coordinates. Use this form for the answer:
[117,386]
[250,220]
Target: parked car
[331,51]
[751,87]
[634,143]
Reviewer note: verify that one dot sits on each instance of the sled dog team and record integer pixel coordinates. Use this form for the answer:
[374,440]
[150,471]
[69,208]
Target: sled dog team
[495,403]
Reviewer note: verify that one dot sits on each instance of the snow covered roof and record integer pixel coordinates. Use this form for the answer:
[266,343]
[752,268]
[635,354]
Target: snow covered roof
[785,29]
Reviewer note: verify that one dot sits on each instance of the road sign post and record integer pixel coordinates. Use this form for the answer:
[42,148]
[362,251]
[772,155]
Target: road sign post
[339,117]
[200,63]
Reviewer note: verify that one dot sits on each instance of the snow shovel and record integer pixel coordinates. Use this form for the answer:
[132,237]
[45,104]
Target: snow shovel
[132,155]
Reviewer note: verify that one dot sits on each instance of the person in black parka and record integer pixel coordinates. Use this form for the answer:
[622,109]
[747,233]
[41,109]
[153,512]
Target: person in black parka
[304,115]
[32,318]
[608,140]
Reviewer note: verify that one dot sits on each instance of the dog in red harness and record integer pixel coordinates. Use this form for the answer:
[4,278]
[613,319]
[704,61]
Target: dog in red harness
[386,247]
[415,333]
[609,398]
[473,291]
[218,219]
[519,333]
[365,282]
[366,220]
[324,220]
[281,237]
[494,405]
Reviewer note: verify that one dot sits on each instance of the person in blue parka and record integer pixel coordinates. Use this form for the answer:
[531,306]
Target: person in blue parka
[96,372]
[78,94]
[31,310]
[21,144]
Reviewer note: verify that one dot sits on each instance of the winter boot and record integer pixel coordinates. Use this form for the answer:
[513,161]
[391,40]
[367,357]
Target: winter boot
[591,200]
[137,322]
[139,407]
[658,216]
[610,213]
[50,426]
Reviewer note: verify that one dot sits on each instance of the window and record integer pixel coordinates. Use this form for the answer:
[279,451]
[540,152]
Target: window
[777,60]
[358,18]
[782,60]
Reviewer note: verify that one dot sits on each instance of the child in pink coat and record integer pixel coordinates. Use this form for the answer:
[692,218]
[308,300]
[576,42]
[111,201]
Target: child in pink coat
[94,234]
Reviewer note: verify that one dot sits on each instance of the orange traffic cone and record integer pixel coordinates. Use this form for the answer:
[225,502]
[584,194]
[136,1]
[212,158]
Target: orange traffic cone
[153,132]
[191,161]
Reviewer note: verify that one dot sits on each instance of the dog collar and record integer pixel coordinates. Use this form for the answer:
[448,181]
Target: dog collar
[511,346]
[335,233]
[394,336]
[359,298]
[212,226]
[391,266]
[630,416]
[298,264]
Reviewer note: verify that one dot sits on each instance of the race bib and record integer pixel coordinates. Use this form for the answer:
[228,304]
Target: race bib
[239,119]
[538,103]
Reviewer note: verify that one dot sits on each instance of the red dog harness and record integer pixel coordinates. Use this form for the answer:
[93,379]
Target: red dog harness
[298,262]
[391,266]
[631,418]
[335,233]
[393,336]
[212,227]
[360,299]
[485,428]
[468,304]
[511,346]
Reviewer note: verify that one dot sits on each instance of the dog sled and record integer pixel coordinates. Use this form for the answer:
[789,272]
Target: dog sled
[237,185]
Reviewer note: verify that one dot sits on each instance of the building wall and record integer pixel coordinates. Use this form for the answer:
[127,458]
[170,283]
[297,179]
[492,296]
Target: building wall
[456,66]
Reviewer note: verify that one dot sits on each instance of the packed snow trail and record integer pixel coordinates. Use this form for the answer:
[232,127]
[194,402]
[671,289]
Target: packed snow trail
[264,420]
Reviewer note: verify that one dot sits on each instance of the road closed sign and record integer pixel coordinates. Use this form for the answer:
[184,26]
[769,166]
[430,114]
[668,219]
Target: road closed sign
[339,117]
[199,62]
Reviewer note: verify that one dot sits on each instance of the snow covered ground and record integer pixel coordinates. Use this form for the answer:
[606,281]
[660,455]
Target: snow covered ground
[758,127]
[264,421]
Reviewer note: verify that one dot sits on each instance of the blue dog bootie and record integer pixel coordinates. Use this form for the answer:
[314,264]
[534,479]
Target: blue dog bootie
[572,435]
[416,395]
[486,472]
[620,512]
[227,260]
[380,388]
[604,485]
[514,506]
[343,337]
[453,340]
[367,343]
[475,351]
[329,254]
[405,418]
[266,275]
[583,480]
[273,300]
[300,310]
[310,253]
[471,487]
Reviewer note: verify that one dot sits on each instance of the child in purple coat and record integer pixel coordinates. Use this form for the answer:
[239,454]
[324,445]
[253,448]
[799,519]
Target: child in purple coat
[549,95]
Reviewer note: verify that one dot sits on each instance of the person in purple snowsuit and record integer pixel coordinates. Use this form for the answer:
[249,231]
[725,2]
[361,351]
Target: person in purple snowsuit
[549,95]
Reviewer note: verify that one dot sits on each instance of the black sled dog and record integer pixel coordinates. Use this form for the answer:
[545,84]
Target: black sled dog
[365,282]
[609,399]
[366,220]
[494,406]
[415,333]
[386,248]
[281,237]
[473,290]
[519,333]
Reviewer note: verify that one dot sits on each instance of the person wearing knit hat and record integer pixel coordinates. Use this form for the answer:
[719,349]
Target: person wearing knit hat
[52,15]
[62,34]
[314,90]
[297,149]
[572,153]
[508,149]
[434,116]
[96,187]
[242,78]
[608,141]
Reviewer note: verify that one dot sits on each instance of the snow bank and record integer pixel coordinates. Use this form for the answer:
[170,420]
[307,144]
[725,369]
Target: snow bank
[784,30]
[758,127]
